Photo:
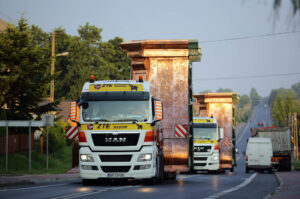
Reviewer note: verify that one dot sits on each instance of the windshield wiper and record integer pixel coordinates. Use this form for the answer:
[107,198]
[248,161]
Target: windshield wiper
[126,120]
[102,120]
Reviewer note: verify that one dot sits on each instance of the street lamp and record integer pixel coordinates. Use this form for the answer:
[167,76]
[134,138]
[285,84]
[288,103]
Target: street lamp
[53,65]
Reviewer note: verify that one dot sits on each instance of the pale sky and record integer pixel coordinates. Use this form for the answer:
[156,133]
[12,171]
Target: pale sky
[204,20]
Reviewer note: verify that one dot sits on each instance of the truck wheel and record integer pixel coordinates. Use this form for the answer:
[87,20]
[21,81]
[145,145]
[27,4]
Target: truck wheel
[247,170]
[87,182]
[160,177]
[232,169]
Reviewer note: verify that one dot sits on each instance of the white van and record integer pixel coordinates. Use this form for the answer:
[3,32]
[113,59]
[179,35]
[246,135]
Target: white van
[259,154]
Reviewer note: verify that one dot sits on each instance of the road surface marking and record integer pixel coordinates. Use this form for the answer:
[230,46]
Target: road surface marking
[36,187]
[76,195]
[241,135]
[246,182]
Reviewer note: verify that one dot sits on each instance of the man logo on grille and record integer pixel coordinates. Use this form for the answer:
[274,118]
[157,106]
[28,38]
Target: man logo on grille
[115,139]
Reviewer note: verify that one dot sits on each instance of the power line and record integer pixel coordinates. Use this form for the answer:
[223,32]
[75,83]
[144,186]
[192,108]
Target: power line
[249,37]
[246,77]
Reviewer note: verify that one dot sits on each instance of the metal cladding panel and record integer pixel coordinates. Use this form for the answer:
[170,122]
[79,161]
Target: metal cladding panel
[169,82]
[165,64]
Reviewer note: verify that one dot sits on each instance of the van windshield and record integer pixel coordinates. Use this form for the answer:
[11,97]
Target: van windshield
[116,111]
[205,133]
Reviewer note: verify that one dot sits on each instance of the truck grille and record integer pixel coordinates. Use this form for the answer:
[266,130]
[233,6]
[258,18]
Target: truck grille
[108,139]
[202,148]
[112,169]
[115,158]
[200,164]
[200,158]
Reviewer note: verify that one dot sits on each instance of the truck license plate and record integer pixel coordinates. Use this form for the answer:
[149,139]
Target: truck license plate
[115,175]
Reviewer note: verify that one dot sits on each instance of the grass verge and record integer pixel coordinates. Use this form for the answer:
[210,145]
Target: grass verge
[59,162]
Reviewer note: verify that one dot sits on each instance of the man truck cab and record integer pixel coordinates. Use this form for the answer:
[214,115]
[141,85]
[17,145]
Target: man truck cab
[206,138]
[259,154]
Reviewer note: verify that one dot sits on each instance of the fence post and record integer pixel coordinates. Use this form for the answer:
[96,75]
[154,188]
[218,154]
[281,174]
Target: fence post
[29,145]
[6,146]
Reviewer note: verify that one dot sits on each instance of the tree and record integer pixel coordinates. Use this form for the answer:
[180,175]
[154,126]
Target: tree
[295,4]
[224,90]
[282,107]
[296,88]
[88,55]
[244,100]
[23,68]
[254,96]
[283,91]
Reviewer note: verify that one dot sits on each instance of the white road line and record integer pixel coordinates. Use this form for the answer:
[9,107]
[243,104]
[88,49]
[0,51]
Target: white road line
[246,182]
[76,195]
[37,187]
[243,133]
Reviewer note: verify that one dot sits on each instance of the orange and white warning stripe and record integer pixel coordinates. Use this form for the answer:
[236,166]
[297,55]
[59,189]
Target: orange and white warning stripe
[158,110]
[181,131]
[71,132]
[227,143]
[73,110]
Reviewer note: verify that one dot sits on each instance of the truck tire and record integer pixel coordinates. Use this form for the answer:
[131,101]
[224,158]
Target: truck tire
[247,169]
[87,182]
[232,169]
[160,177]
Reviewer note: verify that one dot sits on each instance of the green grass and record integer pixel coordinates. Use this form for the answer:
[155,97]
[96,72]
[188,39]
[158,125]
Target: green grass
[59,162]
[296,165]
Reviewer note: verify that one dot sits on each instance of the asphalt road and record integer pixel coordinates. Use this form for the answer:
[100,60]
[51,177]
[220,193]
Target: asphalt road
[224,185]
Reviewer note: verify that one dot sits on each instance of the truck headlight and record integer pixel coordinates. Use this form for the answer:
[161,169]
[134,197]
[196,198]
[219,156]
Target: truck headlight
[215,158]
[144,157]
[86,158]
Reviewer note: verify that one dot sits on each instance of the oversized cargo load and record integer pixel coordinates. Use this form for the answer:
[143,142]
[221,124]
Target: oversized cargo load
[281,143]
[166,64]
[221,107]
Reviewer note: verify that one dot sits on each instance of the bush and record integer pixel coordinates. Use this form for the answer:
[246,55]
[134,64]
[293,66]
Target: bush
[296,165]
[56,136]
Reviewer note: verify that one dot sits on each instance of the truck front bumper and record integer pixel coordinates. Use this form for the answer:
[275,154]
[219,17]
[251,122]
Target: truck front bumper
[112,168]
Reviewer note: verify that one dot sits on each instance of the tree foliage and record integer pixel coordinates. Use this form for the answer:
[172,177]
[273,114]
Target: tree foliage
[224,90]
[281,91]
[25,55]
[295,4]
[244,100]
[23,71]
[254,96]
[282,107]
[296,88]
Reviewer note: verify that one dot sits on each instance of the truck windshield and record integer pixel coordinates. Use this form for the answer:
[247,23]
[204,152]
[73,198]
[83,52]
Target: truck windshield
[205,133]
[116,111]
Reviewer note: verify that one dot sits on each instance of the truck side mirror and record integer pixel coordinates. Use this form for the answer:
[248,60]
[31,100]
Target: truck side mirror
[221,130]
[158,108]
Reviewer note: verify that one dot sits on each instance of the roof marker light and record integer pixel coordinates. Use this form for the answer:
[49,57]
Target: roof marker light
[92,79]
[141,78]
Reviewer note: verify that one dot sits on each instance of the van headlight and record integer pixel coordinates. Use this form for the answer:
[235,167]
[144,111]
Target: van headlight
[86,158]
[144,157]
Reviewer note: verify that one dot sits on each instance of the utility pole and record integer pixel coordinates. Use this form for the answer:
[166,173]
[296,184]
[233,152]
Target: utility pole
[52,67]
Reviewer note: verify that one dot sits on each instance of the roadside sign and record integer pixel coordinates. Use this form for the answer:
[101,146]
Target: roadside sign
[48,119]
